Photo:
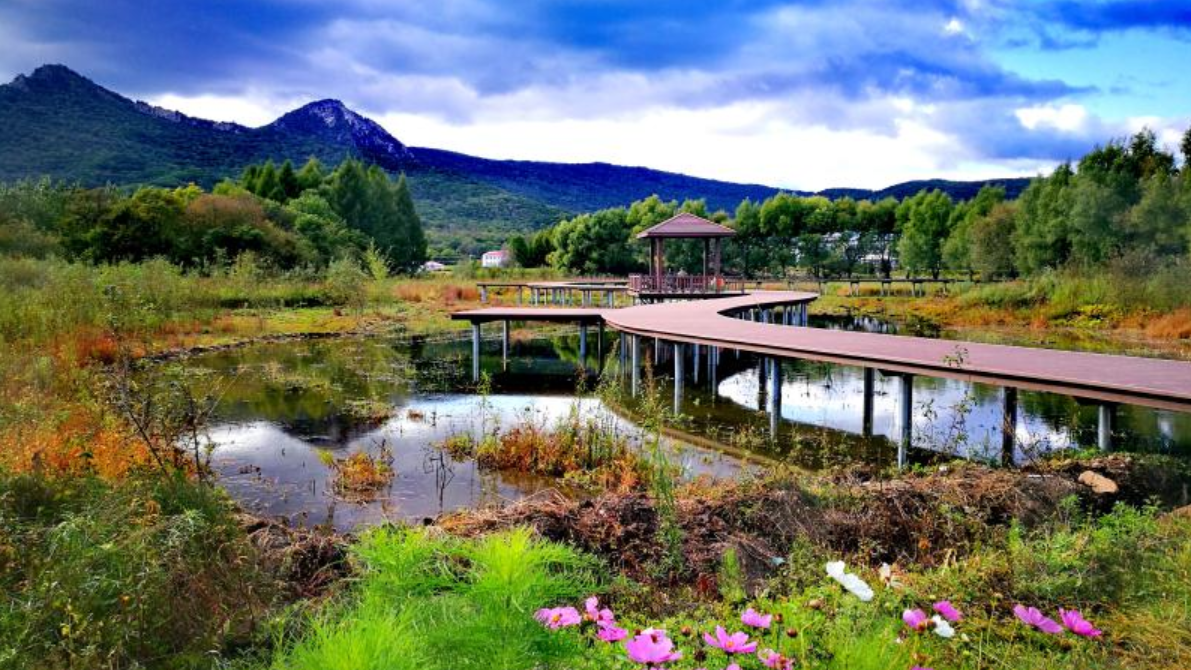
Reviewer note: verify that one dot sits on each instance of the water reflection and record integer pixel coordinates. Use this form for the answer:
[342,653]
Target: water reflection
[283,404]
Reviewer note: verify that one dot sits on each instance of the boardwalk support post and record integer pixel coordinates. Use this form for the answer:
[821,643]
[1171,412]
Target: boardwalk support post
[583,346]
[504,343]
[762,383]
[635,344]
[475,351]
[775,395]
[1104,426]
[600,347]
[695,362]
[1008,425]
[679,373]
[870,378]
[906,410]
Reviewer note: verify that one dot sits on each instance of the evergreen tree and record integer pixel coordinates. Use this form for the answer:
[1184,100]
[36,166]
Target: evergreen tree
[288,180]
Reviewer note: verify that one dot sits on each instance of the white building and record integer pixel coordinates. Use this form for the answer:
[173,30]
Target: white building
[494,259]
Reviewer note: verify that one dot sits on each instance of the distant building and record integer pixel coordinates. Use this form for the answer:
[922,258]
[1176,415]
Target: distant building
[494,259]
[433,266]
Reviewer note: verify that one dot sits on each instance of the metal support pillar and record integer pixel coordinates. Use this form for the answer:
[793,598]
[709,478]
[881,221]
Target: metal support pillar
[906,410]
[600,346]
[870,382]
[1104,426]
[679,373]
[583,346]
[504,344]
[695,362]
[475,351]
[635,345]
[775,395]
[713,359]
[483,294]
[1008,424]
[762,383]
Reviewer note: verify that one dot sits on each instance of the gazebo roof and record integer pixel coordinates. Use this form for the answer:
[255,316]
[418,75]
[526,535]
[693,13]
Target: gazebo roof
[686,225]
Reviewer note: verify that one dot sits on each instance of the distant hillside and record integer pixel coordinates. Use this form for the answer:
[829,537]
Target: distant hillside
[959,190]
[58,123]
[588,186]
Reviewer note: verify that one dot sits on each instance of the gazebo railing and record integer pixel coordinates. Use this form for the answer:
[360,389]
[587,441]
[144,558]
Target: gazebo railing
[679,283]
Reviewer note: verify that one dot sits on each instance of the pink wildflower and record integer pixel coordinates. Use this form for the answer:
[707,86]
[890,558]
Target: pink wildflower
[736,643]
[1075,623]
[612,633]
[915,619]
[752,617]
[772,659]
[651,647]
[1031,616]
[593,613]
[558,617]
[948,611]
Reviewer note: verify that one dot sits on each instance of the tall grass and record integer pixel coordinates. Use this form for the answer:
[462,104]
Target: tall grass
[150,574]
[1119,289]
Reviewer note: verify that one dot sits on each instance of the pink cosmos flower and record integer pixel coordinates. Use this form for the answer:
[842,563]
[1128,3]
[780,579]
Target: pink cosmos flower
[1075,623]
[612,633]
[772,659]
[752,617]
[1031,616]
[915,619]
[593,613]
[948,611]
[651,647]
[736,643]
[558,617]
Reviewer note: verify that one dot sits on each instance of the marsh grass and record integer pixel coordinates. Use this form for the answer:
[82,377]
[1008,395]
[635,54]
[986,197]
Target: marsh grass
[362,475]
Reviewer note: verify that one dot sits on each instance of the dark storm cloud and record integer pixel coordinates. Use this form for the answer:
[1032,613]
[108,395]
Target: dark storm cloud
[446,58]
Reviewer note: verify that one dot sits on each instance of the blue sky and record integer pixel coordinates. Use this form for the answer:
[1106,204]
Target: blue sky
[806,94]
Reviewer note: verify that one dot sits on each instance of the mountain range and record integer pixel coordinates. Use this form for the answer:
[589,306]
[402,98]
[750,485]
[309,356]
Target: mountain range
[60,124]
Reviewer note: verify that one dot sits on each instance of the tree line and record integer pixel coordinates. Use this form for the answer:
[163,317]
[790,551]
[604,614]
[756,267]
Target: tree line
[305,217]
[1126,202]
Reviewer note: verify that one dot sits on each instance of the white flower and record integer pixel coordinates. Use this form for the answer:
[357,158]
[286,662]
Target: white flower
[942,627]
[855,585]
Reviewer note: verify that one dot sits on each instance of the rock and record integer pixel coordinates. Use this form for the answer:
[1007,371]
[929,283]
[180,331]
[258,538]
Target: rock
[1098,483]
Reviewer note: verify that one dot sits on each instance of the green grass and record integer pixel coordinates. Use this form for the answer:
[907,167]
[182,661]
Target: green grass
[428,601]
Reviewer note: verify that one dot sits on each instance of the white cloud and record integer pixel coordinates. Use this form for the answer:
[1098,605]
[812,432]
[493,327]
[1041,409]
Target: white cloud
[1068,117]
[744,142]
[954,27]
[250,109]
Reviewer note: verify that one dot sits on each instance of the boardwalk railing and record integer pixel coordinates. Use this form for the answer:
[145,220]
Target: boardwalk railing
[673,283]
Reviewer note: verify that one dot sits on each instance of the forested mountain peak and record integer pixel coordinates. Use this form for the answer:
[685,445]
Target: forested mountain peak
[331,120]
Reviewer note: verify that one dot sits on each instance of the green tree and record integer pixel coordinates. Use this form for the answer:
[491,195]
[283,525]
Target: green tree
[288,180]
[311,175]
[925,220]
[987,235]
[1041,237]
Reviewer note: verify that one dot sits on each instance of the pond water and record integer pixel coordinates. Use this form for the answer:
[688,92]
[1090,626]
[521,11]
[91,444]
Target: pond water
[284,403]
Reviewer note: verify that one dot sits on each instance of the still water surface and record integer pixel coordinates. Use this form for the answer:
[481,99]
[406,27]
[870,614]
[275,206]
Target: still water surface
[284,403]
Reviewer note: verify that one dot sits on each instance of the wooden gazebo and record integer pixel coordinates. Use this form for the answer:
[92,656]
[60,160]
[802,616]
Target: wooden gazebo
[683,226]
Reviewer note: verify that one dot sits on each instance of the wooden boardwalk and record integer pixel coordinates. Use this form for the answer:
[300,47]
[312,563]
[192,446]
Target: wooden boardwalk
[1157,383]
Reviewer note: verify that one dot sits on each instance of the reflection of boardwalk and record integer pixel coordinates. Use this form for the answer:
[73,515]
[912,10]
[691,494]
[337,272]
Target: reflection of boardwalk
[718,324]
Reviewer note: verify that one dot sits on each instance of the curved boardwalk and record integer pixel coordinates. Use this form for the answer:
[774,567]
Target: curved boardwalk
[1148,382]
